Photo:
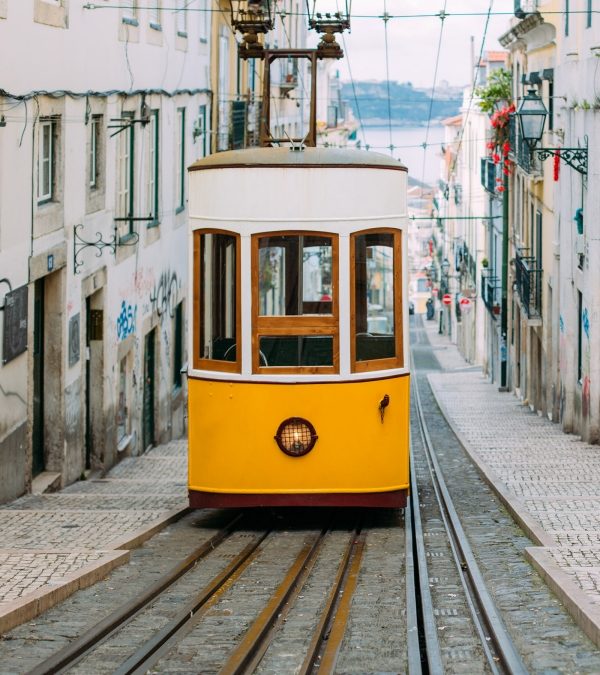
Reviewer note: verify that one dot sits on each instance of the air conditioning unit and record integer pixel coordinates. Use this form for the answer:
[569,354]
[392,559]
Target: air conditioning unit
[579,244]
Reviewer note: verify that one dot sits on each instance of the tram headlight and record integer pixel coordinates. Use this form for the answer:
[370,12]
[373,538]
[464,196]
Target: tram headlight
[296,436]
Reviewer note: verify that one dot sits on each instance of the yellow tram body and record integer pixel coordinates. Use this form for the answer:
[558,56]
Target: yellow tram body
[298,386]
[355,453]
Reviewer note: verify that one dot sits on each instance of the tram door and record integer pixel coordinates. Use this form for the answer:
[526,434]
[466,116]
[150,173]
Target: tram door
[38,379]
[149,376]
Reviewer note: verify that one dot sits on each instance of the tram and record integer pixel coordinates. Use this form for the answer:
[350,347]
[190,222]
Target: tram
[298,379]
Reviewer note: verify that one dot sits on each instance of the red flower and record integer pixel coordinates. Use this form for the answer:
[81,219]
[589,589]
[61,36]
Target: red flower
[500,188]
[496,158]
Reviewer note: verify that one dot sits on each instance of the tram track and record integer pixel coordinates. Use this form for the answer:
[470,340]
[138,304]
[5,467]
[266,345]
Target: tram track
[499,652]
[342,533]
[79,648]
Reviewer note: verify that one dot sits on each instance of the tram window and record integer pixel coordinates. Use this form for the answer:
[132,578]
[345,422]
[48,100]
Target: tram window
[295,275]
[218,309]
[376,299]
[296,350]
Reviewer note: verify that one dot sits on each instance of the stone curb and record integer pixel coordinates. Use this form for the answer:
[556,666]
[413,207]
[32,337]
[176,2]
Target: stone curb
[585,613]
[138,537]
[24,609]
[512,503]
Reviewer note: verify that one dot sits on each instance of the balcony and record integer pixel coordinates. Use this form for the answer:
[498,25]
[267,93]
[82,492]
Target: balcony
[529,283]
[521,154]
[491,292]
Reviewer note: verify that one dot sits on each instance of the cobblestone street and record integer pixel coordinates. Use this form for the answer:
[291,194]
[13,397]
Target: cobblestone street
[548,480]
[54,544]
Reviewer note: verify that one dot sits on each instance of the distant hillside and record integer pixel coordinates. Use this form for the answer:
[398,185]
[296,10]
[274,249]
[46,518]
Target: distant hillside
[410,106]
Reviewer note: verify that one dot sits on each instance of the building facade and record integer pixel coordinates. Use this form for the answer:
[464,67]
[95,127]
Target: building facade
[93,275]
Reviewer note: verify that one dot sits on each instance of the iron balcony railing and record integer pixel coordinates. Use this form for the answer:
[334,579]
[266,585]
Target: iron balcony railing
[490,292]
[519,149]
[529,283]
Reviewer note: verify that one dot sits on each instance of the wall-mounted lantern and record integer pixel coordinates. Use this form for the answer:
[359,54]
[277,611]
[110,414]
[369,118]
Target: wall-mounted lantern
[532,115]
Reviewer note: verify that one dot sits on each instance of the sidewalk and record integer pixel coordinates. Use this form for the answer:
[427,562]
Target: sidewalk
[53,544]
[548,480]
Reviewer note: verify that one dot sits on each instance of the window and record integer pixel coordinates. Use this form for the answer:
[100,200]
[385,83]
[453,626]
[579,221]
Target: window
[153,169]
[46,160]
[588,23]
[180,160]
[376,301]
[200,129]
[204,20]
[95,140]
[295,308]
[217,307]
[154,15]
[177,346]
[130,12]
[181,17]
[224,103]
[125,189]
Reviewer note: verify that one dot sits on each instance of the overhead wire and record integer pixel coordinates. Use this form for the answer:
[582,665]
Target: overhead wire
[435,74]
[387,75]
[473,85]
[423,15]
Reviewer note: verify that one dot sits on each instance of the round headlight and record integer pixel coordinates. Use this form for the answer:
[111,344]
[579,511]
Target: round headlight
[296,436]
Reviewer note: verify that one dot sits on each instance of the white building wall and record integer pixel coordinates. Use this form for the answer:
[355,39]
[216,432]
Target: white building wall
[577,118]
[93,62]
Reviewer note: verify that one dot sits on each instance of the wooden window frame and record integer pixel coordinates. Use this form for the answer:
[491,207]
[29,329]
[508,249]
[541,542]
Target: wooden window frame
[46,164]
[214,364]
[296,325]
[398,360]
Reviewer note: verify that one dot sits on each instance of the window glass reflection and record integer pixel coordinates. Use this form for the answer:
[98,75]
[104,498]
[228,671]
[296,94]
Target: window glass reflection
[295,275]
[218,297]
[374,293]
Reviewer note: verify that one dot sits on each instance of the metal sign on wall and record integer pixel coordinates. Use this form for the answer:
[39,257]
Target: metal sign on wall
[14,335]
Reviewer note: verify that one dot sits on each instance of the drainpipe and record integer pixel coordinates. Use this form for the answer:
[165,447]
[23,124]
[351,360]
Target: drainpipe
[504,317]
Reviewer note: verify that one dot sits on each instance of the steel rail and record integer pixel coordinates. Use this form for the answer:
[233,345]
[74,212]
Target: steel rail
[81,646]
[248,654]
[413,646]
[185,619]
[328,635]
[489,624]
[427,617]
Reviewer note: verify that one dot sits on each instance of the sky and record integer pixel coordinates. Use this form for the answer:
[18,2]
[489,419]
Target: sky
[413,42]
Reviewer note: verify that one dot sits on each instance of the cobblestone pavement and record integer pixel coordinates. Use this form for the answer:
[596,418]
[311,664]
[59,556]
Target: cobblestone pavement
[548,480]
[53,544]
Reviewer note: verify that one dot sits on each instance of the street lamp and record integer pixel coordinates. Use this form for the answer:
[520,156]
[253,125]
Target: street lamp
[532,115]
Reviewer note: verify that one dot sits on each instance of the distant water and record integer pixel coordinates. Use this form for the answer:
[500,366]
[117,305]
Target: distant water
[408,147]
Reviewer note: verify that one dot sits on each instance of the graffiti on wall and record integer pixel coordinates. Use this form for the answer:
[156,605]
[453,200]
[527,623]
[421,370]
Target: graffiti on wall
[126,320]
[164,294]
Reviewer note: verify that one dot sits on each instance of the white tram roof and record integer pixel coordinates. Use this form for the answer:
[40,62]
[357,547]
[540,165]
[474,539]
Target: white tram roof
[305,158]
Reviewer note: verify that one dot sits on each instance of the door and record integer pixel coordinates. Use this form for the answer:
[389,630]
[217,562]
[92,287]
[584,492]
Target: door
[149,376]
[38,461]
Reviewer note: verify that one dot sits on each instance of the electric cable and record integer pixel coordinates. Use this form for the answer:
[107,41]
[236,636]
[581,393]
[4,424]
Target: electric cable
[435,74]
